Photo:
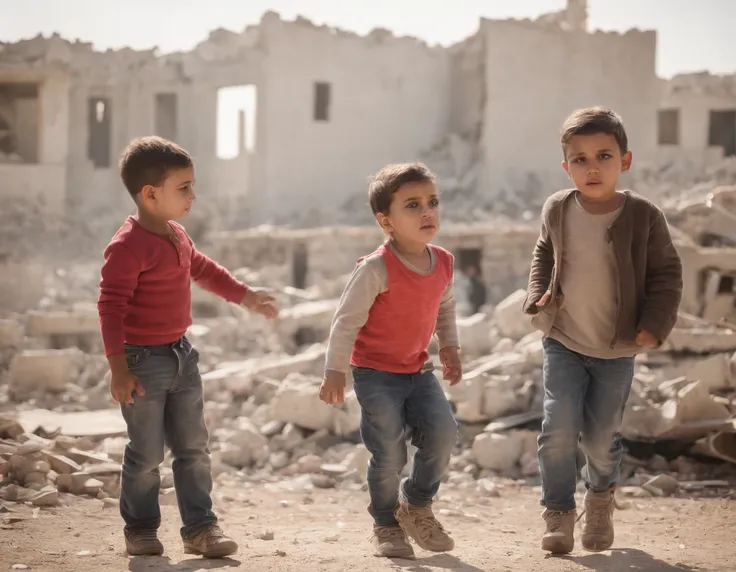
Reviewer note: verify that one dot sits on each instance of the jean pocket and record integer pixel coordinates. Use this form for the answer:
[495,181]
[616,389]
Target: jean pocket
[136,356]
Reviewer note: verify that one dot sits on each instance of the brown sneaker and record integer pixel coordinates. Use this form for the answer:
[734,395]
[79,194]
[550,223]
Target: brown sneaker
[421,524]
[597,534]
[143,543]
[559,537]
[210,542]
[391,542]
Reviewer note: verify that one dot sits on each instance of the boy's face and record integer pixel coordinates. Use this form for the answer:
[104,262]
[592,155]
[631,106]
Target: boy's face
[594,163]
[414,215]
[173,199]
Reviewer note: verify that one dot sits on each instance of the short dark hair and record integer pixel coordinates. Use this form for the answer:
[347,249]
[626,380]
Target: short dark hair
[148,161]
[390,179]
[592,120]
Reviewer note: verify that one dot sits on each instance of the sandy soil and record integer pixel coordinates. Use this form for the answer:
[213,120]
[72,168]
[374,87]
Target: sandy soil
[329,531]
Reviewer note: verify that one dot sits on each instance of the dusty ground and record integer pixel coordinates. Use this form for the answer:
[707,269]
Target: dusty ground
[328,531]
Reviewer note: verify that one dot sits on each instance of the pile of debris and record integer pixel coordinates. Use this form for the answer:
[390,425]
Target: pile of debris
[61,433]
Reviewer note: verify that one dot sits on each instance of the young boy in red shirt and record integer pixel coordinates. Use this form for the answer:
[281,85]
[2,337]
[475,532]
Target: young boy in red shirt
[145,310]
[397,297]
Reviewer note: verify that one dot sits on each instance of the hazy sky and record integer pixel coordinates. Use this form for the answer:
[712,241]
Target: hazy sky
[693,34]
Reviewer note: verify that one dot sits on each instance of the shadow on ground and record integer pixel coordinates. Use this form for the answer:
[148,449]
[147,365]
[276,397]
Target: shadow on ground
[446,561]
[163,564]
[628,560]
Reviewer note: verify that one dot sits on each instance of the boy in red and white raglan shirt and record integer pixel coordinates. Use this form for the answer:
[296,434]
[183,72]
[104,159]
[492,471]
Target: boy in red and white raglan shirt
[145,310]
[397,297]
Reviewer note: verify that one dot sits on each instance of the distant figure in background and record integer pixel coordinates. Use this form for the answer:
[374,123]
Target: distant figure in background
[477,294]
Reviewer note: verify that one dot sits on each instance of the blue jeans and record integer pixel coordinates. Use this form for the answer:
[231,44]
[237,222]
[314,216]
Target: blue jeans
[584,400]
[391,402]
[171,413]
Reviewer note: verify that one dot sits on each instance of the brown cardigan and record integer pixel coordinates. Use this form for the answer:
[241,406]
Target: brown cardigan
[647,266]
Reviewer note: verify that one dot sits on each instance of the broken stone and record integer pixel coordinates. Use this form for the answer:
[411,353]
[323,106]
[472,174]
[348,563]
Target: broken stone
[497,451]
[665,483]
[47,370]
[47,496]
[510,319]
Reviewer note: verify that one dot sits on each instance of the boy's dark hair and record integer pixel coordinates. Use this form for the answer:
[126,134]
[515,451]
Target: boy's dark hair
[390,179]
[592,120]
[148,160]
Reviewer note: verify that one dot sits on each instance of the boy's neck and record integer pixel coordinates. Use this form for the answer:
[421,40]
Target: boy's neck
[602,205]
[152,223]
[409,248]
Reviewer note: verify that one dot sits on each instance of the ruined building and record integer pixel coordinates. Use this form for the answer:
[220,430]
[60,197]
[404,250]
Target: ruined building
[331,108]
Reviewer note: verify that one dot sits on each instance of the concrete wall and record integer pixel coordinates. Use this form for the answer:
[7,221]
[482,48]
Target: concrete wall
[44,180]
[536,76]
[389,101]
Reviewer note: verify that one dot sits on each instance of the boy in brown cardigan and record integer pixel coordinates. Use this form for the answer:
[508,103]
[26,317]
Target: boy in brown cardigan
[605,284]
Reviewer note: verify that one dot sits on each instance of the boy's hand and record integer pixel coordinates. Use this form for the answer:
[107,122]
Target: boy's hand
[332,389]
[261,302]
[646,339]
[122,386]
[544,300]
[452,369]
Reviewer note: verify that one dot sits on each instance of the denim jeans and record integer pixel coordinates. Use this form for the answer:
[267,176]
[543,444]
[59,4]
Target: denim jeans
[584,400]
[391,402]
[171,413]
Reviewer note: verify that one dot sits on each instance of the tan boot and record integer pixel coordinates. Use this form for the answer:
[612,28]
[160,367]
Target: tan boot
[559,537]
[421,524]
[143,543]
[597,534]
[391,542]
[210,542]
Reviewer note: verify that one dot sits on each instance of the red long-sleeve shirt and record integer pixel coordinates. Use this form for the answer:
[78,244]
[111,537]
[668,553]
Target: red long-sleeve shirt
[145,290]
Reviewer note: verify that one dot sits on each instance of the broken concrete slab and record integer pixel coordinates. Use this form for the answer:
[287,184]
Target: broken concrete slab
[93,424]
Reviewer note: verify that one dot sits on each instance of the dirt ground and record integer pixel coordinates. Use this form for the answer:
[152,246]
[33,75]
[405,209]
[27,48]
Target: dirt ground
[329,531]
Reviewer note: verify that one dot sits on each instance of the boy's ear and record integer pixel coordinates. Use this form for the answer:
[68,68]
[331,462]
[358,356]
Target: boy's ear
[148,192]
[384,222]
[566,167]
[626,161]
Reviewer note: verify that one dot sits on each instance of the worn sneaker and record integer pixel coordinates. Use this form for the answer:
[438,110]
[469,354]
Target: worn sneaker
[597,533]
[143,543]
[559,537]
[391,542]
[210,542]
[421,524]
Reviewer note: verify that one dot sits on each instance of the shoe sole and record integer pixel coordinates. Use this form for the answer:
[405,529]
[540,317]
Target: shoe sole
[596,547]
[149,552]
[557,546]
[220,550]
[397,554]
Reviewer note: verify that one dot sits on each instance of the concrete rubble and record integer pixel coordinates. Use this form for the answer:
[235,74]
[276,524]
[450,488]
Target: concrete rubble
[61,435]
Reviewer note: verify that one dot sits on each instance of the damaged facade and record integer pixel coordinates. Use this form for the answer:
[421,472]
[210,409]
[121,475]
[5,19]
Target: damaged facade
[328,109]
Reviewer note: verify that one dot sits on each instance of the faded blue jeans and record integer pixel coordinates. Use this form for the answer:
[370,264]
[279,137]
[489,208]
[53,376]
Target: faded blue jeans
[171,413]
[391,402]
[584,400]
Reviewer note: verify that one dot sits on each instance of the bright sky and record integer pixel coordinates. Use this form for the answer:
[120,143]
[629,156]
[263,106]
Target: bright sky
[693,34]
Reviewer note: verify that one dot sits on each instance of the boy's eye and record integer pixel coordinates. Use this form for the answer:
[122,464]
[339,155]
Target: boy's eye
[412,205]
[605,156]
[434,202]
[579,160]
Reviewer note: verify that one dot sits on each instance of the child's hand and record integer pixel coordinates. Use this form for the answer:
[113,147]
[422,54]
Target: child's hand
[122,386]
[332,389]
[452,369]
[261,302]
[646,339]
[544,300]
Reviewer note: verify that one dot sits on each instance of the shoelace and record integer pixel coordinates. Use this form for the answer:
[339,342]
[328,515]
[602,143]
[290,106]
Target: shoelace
[597,513]
[210,533]
[389,533]
[426,522]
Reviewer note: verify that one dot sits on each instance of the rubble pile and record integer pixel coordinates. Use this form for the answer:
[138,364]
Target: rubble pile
[61,434]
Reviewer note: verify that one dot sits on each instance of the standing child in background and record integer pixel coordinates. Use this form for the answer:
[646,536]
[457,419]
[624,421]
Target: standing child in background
[145,310]
[605,284]
[397,297]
